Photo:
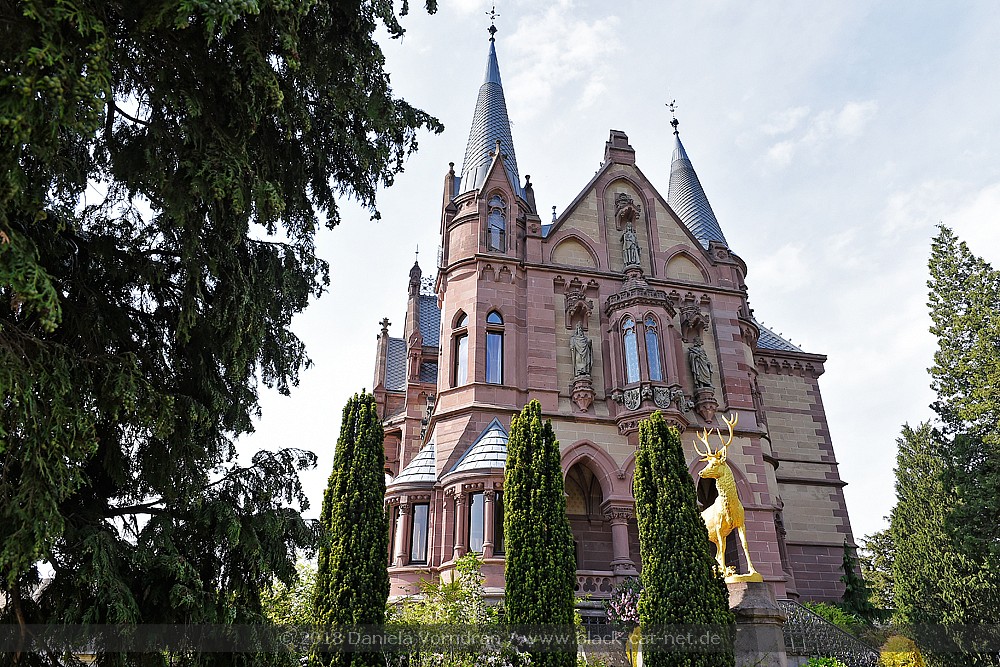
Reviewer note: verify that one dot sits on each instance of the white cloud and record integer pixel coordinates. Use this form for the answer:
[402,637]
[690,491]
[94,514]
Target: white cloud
[813,133]
[785,121]
[555,51]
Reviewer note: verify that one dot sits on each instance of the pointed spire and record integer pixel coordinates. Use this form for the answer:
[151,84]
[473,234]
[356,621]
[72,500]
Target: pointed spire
[489,126]
[687,198]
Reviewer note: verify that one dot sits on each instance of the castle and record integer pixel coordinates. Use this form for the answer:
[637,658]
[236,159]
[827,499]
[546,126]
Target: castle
[626,303]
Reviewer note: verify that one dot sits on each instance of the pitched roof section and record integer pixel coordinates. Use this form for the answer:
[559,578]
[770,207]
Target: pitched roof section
[395,365]
[771,341]
[489,124]
[687,198]
[420,470]
[430,320]
[488,452]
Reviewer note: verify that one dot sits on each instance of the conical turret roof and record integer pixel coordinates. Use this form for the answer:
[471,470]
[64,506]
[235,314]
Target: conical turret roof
[687,198]
[489,125]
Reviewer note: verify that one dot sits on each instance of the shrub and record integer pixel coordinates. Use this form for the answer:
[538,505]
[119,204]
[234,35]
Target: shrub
[834,614]
[823,662]
[899,651]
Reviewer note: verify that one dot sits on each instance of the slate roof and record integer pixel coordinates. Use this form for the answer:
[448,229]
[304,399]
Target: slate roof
[489,123]
[395,365]
[420,469]
[771,341]
[430,320]
[687,198]
[429,371]
[489,451]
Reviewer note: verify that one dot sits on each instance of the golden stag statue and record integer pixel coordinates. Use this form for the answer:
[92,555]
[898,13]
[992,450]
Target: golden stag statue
[726,513]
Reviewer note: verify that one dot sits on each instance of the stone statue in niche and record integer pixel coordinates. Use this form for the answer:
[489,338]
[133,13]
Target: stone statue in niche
[701,367]
[582,349]
[630,247]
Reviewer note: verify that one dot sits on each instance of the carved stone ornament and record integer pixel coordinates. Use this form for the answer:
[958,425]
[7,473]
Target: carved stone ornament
[583,392]
[626,210]
[619,514]
[632,398]
[693,322]
[664,397]
[705,403]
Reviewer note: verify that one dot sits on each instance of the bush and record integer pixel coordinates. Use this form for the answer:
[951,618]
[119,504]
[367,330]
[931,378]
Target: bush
[824,662]
[899,651]
[842,619]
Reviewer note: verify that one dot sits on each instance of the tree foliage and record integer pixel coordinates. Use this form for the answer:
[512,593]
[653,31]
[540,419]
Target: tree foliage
[876,556]
[944,529]
[965,312]
[856,598]
[352,581]
[539,562]
[936,585]
[680,582]
[164,167]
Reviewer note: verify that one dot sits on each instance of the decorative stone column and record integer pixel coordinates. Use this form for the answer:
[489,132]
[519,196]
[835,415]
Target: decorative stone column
[460,526]
[760,640]
[402,531]
[488,529]
[621,562]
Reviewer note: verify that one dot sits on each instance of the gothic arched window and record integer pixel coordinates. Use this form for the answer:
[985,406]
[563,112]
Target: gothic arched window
[496,224]
[631,343]
[460,350]
[494,348]
[653,349]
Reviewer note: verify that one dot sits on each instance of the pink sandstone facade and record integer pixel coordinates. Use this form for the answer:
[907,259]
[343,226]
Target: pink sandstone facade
[605,314]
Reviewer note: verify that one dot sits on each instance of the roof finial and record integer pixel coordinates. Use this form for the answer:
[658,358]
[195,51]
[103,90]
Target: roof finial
[672,105]
[493,19]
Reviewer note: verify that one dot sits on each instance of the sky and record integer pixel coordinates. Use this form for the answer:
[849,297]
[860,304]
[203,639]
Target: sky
[830,137]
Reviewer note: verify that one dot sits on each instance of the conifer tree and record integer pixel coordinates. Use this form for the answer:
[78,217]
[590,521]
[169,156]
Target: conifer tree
[164,167]
[352,580]
[540,566]
[856,598]
[680,583]
[935,584]
[876,556]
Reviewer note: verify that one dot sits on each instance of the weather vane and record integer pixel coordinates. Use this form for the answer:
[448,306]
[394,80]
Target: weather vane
[672,105]
[493,19]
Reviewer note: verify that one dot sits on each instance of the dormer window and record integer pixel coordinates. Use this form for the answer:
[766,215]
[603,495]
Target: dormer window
[496,224]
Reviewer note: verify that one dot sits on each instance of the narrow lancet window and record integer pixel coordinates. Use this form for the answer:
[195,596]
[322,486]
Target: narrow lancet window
[653,349]
[631,350]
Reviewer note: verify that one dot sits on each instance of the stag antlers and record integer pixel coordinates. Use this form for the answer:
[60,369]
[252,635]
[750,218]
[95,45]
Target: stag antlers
[721,451]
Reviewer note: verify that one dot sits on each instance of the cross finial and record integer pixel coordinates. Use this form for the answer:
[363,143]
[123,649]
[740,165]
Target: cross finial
[416,254]
[493,19]
[672,105]
[385,325]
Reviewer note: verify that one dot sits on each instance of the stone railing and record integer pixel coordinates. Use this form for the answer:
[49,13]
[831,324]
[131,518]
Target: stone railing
[808,634]
[596,584]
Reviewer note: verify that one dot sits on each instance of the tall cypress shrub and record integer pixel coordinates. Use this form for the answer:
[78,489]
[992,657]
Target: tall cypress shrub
[540,564]
[680,584]
[352,582]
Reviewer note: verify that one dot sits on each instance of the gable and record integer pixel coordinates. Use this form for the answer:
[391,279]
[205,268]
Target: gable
[593,216]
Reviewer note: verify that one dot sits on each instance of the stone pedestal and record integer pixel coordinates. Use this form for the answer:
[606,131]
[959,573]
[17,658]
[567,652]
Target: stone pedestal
[759,640]
[583,392]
